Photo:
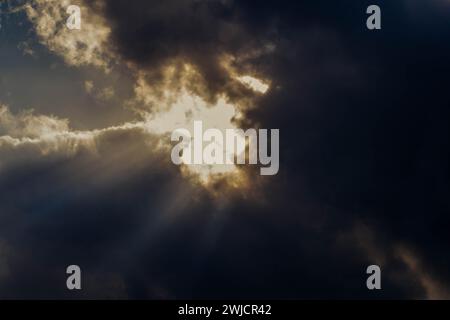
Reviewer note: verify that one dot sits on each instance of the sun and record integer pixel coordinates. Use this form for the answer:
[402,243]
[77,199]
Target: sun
[175,106]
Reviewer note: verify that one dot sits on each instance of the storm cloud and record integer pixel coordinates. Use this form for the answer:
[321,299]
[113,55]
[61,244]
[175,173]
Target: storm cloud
[364,139]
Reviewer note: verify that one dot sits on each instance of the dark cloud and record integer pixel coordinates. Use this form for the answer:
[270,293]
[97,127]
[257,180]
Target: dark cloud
[363,179]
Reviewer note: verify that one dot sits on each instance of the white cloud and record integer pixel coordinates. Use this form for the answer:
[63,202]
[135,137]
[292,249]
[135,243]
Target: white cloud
[88,46]
[49,134]
[28,125]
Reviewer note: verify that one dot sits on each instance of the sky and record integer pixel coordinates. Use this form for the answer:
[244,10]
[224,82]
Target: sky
[86,176]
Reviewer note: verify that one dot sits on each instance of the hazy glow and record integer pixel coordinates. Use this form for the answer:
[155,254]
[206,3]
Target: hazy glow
[172,105]
[188,107]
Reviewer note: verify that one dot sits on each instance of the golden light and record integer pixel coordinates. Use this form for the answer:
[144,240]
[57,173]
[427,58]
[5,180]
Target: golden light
[174,107]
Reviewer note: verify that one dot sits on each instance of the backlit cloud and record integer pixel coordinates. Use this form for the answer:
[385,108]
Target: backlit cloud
[88,46]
